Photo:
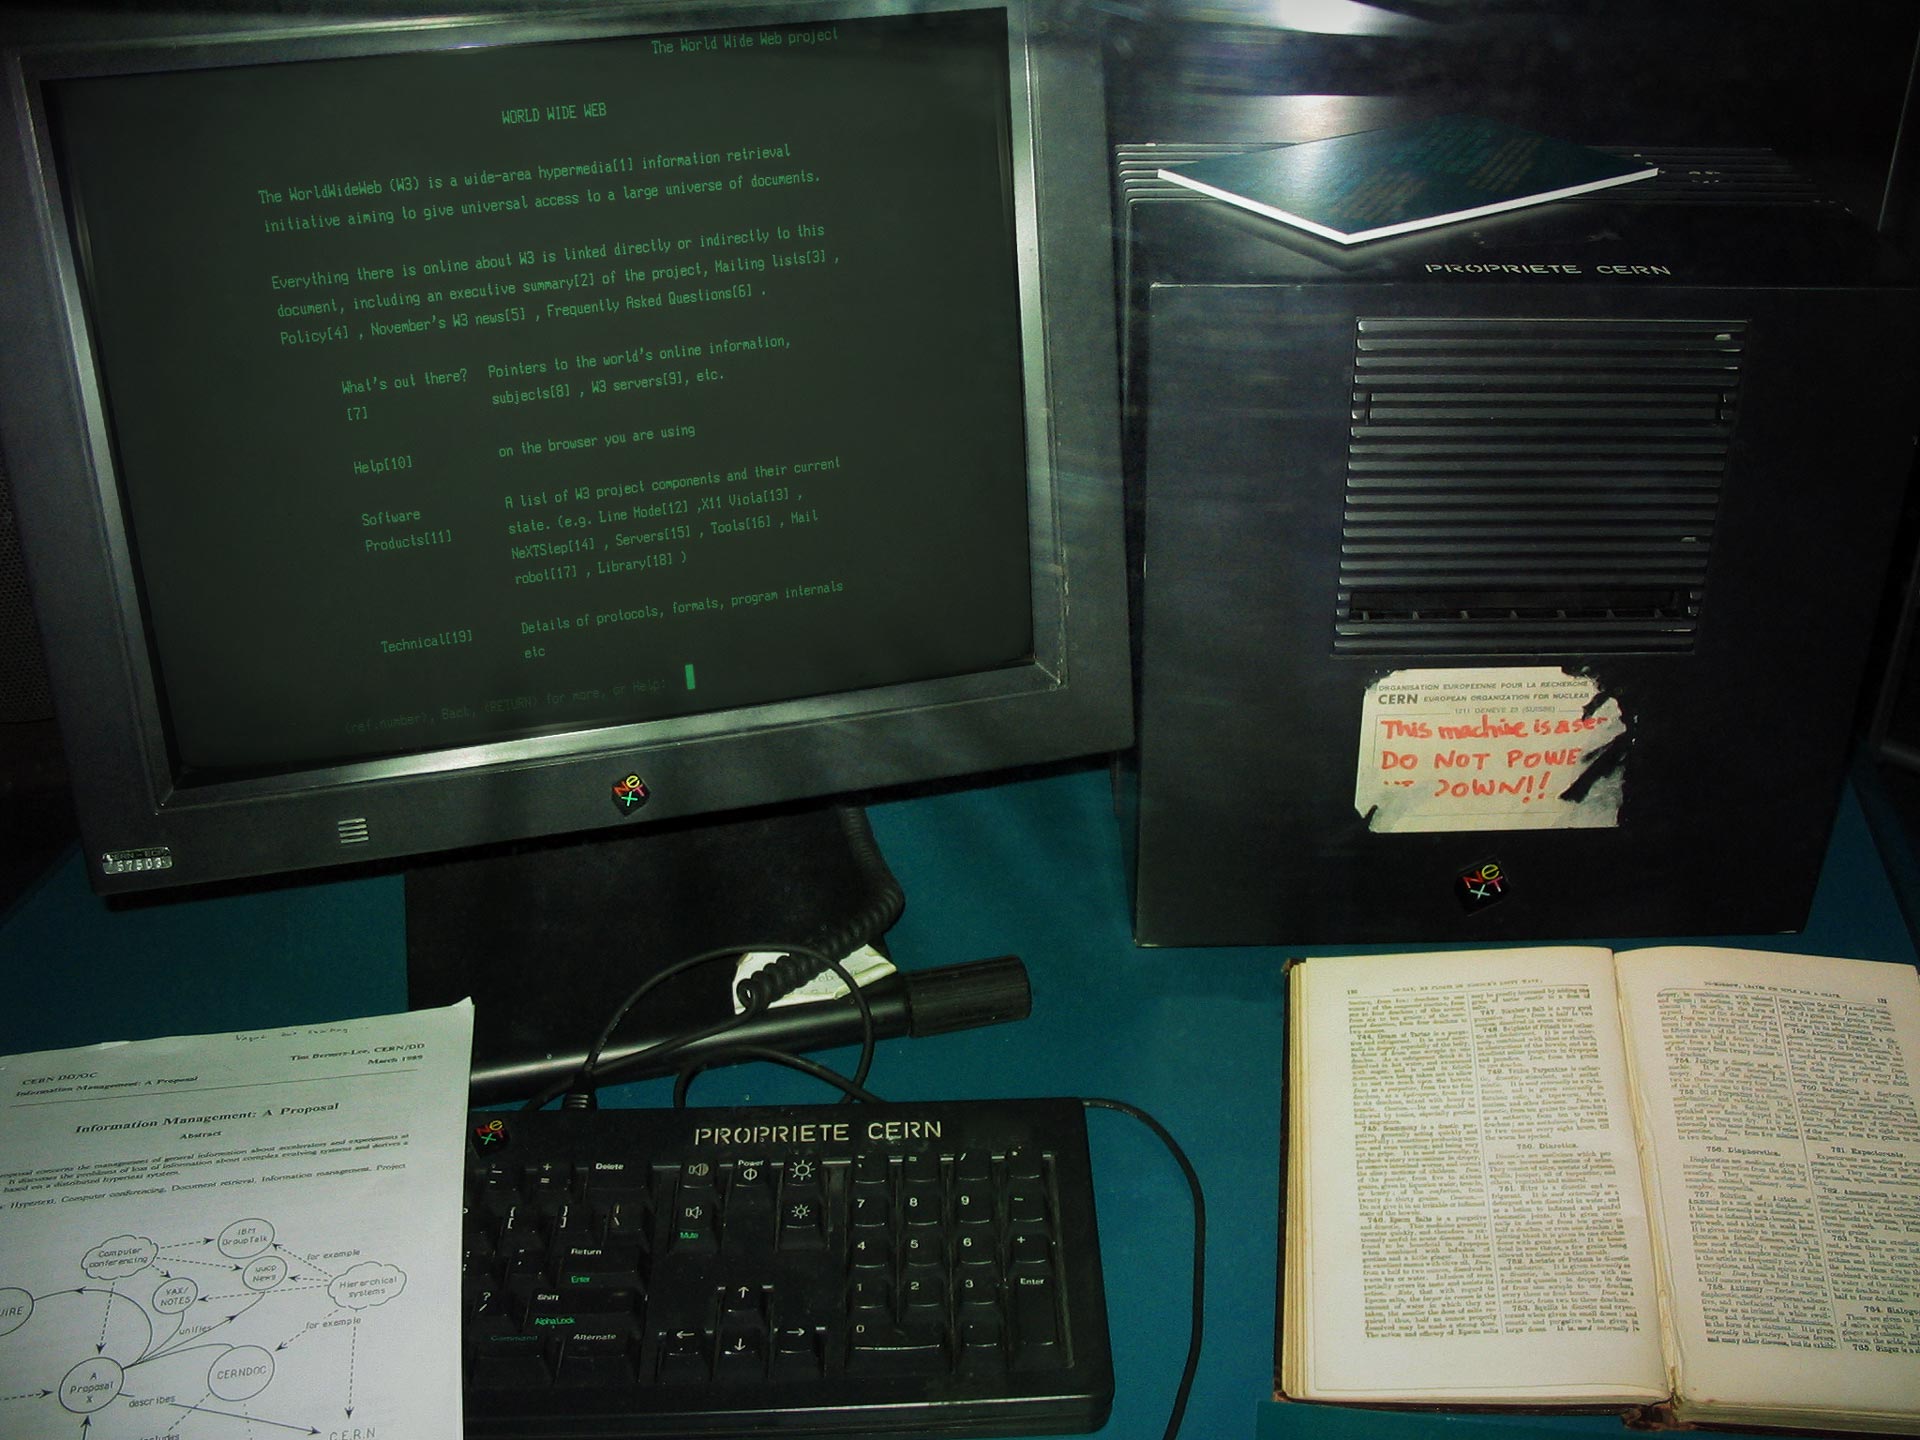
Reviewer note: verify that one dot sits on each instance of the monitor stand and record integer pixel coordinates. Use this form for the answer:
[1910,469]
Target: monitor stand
[548,938]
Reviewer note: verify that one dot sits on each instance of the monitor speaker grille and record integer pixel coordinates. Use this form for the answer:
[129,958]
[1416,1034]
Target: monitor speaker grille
[1533,486]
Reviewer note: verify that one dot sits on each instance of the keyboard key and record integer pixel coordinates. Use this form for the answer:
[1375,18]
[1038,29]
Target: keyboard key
[683,1356]
[694,1231]
[870,1250]
[510,1362]
[604,1358]
[923,1289]
[981,1333]
[803,1218]
[519,1231]
[1029,1248]
[1026,1205]
[876,1348]
[870,1294]
[748,1222]
[546,1177]
[742,1356]
[593,1298]
[488,1205]
[490,1317]
[977,1286]
[584,1264]
[920,1202]
[797,1352]
[869,1208]
[744,1298]
[1036,1326]
[626,1217]
[612,1174]
[973,1203]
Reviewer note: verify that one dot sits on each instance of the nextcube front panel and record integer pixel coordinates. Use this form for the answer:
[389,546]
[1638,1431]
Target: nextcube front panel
[1511,584]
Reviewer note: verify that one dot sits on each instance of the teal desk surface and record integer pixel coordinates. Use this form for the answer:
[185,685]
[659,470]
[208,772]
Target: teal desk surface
[1031,868]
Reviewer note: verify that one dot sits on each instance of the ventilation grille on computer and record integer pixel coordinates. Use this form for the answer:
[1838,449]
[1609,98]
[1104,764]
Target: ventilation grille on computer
[1715,175]
[1533,486]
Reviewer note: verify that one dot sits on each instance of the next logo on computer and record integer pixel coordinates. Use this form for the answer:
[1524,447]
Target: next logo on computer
[1480,887]
[629,794]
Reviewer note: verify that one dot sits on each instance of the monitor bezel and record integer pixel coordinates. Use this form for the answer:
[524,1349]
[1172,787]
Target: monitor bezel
[143,827]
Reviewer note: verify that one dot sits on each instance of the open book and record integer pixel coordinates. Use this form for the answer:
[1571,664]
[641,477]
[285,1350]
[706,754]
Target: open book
[1680,1178]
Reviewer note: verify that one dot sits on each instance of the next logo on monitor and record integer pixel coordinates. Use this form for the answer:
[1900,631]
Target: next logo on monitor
[629,794]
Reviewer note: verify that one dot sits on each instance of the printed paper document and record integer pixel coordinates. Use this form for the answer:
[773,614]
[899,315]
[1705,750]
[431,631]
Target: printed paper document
[235,1235]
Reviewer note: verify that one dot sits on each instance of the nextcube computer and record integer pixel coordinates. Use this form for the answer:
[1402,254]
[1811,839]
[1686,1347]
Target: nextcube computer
[1508,580]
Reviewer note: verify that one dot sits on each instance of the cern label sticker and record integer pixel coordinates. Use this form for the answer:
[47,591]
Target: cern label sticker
[1525,748]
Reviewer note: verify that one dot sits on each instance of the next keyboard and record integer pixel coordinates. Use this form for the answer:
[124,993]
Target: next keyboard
[921,1268]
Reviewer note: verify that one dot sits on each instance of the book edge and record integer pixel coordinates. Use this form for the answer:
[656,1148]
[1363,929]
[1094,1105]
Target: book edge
[1270,211]
[1404,227]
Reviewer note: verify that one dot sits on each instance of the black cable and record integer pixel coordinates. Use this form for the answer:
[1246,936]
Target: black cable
[593,1071]
[886,900]
[866,1025]
[1199,1250]
[778,1057]
[884,904]
[577,1099]
[592,1062]
[853,1089]
[794,967]
[586,1078]
[581,1099]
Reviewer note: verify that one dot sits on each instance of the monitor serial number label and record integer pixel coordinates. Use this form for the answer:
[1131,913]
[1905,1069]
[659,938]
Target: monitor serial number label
[124,862]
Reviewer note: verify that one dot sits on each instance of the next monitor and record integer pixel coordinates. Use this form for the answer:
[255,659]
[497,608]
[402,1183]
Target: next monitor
[434,434]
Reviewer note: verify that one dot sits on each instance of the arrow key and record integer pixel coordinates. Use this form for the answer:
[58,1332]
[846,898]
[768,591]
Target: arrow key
[683,1356]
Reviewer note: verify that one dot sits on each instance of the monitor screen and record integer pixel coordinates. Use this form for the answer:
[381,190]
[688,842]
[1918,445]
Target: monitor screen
[432,435]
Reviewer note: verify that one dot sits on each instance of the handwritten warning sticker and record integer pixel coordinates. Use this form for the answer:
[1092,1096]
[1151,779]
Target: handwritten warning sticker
[1528,748]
